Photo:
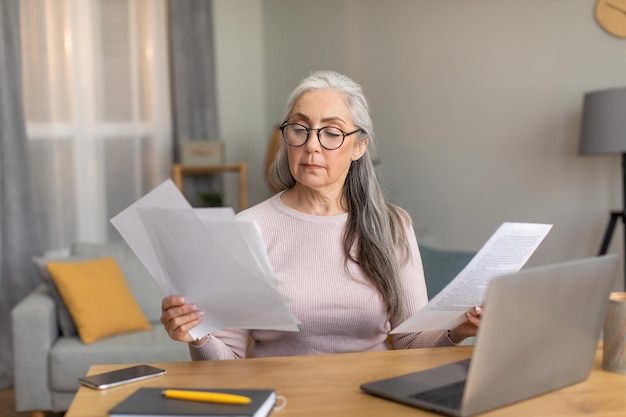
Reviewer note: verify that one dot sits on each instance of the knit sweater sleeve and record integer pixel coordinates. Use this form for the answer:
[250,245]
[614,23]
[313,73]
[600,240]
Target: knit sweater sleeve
[225,344]
[415,298]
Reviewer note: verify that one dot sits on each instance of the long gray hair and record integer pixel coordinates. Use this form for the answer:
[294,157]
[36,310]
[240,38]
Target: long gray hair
[375,230]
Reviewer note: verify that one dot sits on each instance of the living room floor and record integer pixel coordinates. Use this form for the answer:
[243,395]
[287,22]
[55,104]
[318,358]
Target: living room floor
[7,406]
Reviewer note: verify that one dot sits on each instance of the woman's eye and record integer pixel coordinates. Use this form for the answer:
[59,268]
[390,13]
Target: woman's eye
[332,132]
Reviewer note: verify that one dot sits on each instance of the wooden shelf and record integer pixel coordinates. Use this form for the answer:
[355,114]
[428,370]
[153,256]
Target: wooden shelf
[180,171]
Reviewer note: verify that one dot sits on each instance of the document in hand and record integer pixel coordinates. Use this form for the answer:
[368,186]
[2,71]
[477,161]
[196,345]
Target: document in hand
[208,256]
[506,251]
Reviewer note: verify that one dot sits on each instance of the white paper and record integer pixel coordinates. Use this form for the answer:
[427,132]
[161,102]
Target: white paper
[506,251]
[214,260]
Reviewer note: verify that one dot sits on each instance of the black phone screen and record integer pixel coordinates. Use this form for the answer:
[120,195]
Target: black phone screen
[120,376]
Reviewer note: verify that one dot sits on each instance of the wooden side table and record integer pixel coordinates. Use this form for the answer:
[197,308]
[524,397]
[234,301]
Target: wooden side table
[179,171]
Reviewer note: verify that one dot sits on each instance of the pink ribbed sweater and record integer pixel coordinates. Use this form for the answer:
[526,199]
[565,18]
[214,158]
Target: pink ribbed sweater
[337,313]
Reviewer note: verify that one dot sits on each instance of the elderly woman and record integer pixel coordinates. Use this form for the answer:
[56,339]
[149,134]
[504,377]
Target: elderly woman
[347,259]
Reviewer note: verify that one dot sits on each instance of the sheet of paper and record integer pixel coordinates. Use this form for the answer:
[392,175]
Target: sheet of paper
[207,255]
[506,251]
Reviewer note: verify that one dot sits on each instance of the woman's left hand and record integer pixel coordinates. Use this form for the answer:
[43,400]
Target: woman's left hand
[468,328]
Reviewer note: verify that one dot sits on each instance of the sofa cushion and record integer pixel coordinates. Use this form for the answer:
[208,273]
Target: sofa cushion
[98,298]
[144,288]
[441,266]
[70,359]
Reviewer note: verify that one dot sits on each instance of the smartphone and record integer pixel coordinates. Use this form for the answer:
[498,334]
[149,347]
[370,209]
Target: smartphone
[120,376]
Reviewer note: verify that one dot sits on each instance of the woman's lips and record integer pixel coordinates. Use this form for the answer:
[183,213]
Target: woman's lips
[311,166]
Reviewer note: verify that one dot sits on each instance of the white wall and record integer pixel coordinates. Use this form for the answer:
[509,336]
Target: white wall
[476,106]
[241,89]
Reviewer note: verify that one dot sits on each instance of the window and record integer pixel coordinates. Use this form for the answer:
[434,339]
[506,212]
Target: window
[97,110]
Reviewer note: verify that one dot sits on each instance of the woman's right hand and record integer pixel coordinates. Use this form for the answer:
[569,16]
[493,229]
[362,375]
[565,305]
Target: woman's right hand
[179,317]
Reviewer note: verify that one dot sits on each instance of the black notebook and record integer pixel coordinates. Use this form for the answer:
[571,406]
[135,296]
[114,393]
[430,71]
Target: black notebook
[151,402]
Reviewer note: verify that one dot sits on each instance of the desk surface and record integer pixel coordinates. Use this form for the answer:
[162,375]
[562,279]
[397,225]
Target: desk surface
[328,385]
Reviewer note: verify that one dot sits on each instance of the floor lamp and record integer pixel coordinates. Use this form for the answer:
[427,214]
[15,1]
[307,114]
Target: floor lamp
[603,131]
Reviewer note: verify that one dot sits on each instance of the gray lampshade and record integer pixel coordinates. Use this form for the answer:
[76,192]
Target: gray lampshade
[603,126]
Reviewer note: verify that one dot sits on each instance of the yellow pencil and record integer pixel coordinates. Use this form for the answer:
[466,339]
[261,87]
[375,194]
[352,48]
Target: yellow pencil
[211,397]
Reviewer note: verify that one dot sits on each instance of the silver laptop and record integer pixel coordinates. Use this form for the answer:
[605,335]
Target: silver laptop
[539,332]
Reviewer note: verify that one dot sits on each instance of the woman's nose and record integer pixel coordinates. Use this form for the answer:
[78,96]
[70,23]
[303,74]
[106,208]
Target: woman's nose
[313,144]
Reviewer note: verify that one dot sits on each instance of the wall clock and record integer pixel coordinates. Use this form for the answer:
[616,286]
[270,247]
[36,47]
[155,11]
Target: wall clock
[611,16]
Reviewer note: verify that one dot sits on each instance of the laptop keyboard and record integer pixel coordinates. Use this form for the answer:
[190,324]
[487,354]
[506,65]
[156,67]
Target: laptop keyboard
[448,396]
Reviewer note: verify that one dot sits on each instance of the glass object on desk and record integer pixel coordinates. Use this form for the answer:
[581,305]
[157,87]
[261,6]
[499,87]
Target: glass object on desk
[614,334]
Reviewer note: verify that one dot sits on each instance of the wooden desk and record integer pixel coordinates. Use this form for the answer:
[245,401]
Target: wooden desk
[328,385]
[179,171]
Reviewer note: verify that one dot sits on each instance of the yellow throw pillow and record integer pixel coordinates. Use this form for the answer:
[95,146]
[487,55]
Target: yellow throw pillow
[98,298]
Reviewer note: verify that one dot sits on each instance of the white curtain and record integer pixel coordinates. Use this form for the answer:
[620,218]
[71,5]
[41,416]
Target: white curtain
[96,99]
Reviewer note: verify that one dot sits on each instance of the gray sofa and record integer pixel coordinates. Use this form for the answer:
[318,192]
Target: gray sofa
[47,363]
[441,266]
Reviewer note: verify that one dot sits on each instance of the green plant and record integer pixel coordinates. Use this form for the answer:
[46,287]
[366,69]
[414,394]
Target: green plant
[210,199]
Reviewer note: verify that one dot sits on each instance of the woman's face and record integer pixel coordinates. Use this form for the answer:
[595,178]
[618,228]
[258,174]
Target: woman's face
[311,165]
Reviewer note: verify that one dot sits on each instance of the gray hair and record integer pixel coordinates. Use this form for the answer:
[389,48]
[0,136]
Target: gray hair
[375,229]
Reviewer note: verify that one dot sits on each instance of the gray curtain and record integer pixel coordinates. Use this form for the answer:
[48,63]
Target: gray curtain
[18,242]
[192,69]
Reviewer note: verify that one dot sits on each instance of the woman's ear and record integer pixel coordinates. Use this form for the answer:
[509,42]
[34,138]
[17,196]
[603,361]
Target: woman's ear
[360,149]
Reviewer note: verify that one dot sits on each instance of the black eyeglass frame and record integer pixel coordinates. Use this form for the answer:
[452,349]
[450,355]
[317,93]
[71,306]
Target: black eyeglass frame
[318,131]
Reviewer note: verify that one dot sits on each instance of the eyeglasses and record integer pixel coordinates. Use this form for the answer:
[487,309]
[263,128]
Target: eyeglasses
[295,134]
